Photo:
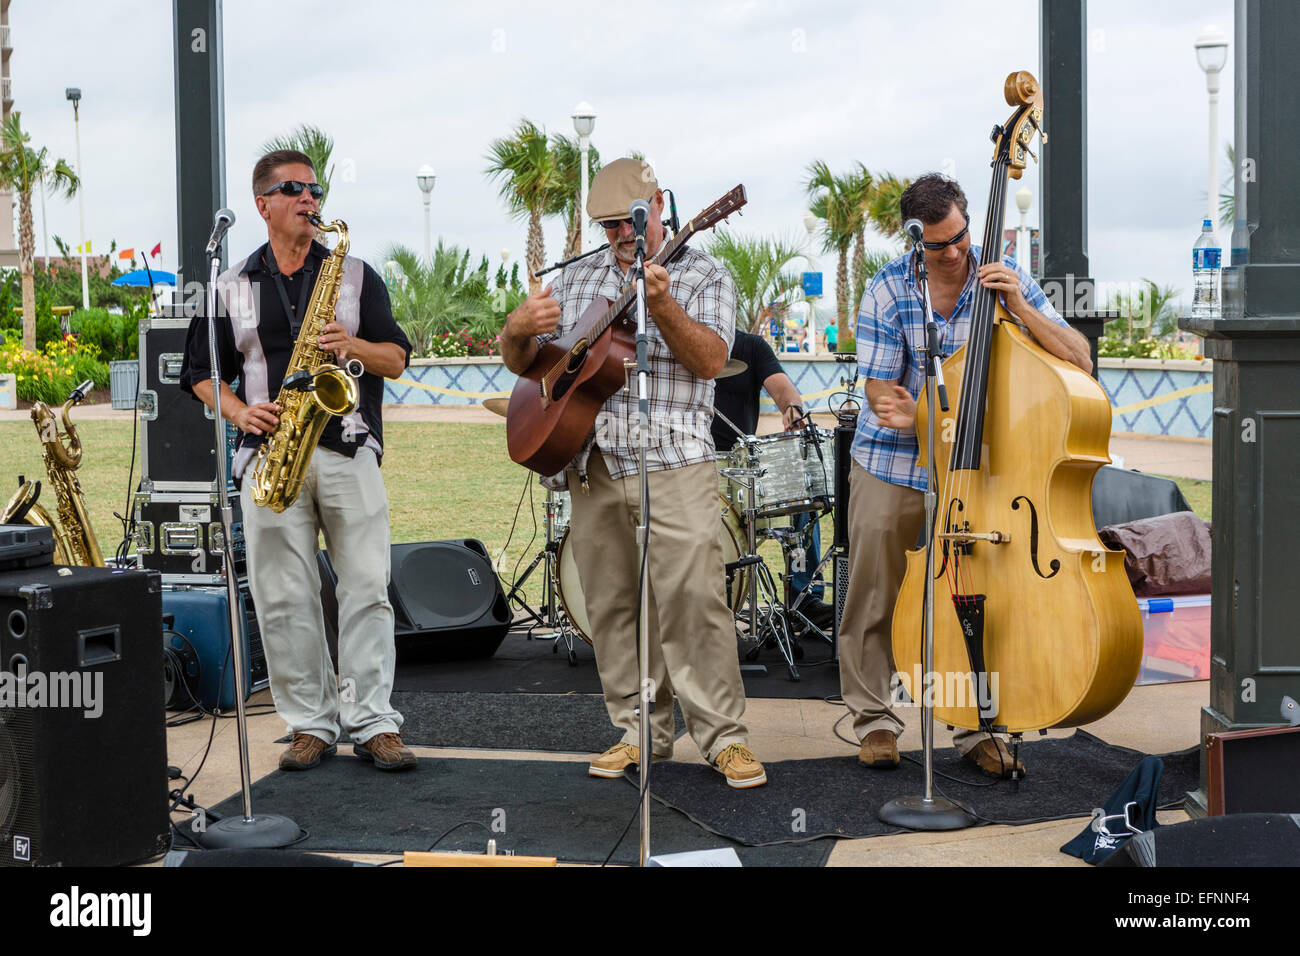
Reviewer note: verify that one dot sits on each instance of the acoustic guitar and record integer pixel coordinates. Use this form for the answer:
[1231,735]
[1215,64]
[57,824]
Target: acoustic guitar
[555,402]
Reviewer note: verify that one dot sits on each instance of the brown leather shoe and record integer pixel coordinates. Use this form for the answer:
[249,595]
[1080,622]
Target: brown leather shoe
[879,751]
[305,752]
[993,756]
[387,751]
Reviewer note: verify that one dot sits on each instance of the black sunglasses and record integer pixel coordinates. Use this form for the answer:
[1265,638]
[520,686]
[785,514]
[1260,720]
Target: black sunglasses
[937,246]
[291,187]
[612,223]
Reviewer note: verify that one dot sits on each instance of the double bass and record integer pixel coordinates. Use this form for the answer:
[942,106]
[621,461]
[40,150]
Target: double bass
[1032,613]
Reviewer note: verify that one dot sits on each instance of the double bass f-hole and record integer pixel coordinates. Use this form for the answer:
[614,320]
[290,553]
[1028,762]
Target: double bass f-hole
[948,525]
[1055,565]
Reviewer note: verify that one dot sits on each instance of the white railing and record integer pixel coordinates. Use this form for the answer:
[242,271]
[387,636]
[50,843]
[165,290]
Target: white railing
[6,88]
[5,38]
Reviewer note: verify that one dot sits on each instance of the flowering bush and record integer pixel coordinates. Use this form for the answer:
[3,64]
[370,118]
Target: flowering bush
[1117,346]
[460,344]
[51,374]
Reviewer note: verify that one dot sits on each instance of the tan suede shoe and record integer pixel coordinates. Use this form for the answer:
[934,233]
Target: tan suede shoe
[993,756]
[738,765]
[305,751]
[879,751]
[387,751]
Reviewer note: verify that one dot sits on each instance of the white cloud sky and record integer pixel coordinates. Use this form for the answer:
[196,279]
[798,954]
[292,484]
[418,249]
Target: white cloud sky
[715,93]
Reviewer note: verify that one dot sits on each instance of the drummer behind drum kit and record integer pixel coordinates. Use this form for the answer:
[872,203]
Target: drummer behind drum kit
[775,487]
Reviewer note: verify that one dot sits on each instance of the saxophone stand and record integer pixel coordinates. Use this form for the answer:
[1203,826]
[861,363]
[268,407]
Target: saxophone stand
[926,812]
[246,831]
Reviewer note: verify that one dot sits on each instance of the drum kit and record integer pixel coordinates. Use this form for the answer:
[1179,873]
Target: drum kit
[774,487]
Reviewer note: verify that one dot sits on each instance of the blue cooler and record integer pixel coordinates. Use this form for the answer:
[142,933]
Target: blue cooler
[200,643]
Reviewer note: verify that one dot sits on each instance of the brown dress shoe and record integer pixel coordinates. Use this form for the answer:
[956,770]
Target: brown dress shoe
[305,751]
[387,751]
[879,751]
[993,756]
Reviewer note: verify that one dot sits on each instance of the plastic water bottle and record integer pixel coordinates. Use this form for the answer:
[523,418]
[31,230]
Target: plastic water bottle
[1206,264]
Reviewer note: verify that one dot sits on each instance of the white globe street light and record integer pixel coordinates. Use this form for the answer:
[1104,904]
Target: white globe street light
[584,121]
[1023,198]
[1211,56]
[426,177]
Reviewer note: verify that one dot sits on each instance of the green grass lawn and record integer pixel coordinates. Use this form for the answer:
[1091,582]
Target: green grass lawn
[445,480]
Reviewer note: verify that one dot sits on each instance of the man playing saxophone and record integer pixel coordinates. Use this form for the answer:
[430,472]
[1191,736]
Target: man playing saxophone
[262,306]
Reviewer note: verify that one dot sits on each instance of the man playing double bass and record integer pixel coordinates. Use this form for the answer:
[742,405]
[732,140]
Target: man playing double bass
[691,319]
[886,498]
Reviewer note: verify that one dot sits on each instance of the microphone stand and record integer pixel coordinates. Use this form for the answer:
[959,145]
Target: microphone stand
[643,540]
[247,831]
[926,812]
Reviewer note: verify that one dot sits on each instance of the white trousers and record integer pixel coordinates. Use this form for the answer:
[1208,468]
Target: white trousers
[343,498]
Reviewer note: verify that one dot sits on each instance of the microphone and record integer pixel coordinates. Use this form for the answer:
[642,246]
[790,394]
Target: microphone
[913,228]
[640,211]
[221,223]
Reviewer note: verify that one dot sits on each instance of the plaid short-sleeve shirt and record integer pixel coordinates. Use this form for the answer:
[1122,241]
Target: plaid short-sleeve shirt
[890,334]
[681,403]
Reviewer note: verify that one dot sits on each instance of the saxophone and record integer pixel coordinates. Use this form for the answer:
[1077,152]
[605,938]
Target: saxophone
[74,539]
[314,390]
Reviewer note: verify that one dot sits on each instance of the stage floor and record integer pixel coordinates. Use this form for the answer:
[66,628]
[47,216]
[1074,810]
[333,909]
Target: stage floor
[1153,719]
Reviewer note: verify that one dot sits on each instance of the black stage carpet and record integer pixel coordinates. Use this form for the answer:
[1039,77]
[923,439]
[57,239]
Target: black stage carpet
[521,666]
[576,723]
[548,808]
[839,797]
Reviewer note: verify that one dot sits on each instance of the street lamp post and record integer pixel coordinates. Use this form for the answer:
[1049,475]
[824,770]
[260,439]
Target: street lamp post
[1211,55]
[425,177]
[74,94]
[584,121]
[810,223]
[1023,198]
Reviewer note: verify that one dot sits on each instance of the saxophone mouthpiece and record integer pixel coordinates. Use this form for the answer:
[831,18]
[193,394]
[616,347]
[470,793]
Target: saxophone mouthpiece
[81,391]
[314,219]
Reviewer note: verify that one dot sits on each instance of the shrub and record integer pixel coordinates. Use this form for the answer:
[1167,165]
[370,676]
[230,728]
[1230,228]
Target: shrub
[116,336]
[51,374]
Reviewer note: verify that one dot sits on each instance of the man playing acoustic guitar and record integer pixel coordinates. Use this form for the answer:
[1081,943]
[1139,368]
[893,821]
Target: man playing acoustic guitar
[691,323]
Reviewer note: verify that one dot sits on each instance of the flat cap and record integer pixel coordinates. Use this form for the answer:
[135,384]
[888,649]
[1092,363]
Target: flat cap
[617,186]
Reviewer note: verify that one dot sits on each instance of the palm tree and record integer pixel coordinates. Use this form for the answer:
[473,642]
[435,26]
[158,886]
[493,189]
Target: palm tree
[316,144]
[447,295]
[836,201]
[22,168]
[882,205]
[567,200]
[531,182]
[756,266]
[1150,312]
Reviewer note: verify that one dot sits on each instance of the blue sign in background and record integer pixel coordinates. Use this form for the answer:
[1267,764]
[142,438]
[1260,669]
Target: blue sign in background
[812,283]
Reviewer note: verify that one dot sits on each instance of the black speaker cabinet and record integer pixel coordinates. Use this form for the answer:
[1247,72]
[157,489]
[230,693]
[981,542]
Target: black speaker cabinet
[843,462]
[83,751]
[447,601]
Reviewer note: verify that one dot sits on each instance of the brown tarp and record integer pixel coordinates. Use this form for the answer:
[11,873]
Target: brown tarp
[1168,554]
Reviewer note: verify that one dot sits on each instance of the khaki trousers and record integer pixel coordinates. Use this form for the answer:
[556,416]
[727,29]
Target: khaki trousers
[885,521]
[692,631]
[345,498]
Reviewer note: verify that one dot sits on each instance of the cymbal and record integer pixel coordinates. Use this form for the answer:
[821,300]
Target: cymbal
[734,366]
[497,406]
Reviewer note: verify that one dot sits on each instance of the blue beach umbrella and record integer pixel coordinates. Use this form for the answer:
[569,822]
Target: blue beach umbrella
[141,277]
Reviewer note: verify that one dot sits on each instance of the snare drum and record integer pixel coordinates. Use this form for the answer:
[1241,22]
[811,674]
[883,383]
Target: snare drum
[568,587]
[795,474]
[563,513]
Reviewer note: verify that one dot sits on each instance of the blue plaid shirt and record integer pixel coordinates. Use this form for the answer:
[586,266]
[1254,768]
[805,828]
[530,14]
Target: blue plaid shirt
[890,332]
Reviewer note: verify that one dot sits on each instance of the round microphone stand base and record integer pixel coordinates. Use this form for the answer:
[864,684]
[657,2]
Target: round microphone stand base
[264,831]
[918,813]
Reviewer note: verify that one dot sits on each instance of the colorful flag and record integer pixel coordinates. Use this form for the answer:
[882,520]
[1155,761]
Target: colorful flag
[155,251]
[126,254]
[87,247]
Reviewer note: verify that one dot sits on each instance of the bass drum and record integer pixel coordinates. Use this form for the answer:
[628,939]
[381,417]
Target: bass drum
[569,589]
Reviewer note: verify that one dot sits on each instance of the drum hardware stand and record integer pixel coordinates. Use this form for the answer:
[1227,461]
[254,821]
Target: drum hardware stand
[928,812]
[244,831]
